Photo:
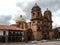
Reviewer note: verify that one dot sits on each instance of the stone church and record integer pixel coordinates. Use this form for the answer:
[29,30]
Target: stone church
[39,28]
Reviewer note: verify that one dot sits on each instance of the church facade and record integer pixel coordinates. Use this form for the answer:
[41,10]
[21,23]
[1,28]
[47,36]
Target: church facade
[41,25]
[39,28]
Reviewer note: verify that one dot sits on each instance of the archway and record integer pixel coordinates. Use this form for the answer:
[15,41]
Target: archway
[45,36]
[29,35]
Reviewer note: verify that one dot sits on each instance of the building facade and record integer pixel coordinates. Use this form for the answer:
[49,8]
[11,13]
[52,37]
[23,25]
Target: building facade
[41,25]
[39,28]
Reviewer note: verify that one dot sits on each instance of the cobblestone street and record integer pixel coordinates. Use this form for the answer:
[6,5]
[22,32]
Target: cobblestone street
[38,43]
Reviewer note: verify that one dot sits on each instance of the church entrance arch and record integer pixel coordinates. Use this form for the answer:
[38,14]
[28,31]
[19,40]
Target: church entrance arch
[45,36]
[29,35]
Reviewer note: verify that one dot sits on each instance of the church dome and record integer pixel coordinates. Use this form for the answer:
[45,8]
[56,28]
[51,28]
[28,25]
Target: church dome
[21,19]
[36,7]
[47,11]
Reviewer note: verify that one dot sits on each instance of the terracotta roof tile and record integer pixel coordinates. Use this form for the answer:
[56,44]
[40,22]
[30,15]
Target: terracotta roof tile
[8,27]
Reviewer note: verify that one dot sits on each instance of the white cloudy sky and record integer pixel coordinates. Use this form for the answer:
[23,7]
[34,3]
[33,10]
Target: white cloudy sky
[11,9]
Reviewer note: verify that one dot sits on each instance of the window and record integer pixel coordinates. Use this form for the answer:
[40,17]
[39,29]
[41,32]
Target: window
[9,32]
[13,32]
[4,33]
[38,13]
[33,13]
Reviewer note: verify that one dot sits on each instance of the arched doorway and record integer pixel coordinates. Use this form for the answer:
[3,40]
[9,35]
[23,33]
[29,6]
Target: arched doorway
[45,36]
[29,35]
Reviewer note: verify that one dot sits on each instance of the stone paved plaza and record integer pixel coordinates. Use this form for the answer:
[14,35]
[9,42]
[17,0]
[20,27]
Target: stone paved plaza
[38,43]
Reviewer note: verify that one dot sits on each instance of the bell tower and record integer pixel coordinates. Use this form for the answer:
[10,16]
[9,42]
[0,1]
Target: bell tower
[36,21]
[48,17]
[36,12]
[36,17]
[47,24]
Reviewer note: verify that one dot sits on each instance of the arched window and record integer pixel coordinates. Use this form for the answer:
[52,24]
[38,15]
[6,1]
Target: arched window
[33,14]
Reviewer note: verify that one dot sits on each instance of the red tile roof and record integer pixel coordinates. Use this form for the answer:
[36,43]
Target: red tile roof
[8,27]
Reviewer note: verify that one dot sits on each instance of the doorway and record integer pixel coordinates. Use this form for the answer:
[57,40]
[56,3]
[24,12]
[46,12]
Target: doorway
[45,36]
[29,35]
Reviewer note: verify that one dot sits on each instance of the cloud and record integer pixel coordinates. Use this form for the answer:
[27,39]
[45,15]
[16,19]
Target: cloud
[53,5]
[14,8]
[56,21]
[5,19]
[56,18]
[9,8]
[26,7]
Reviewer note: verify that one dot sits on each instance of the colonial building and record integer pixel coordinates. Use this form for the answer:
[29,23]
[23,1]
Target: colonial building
[39,28]
[57,33]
